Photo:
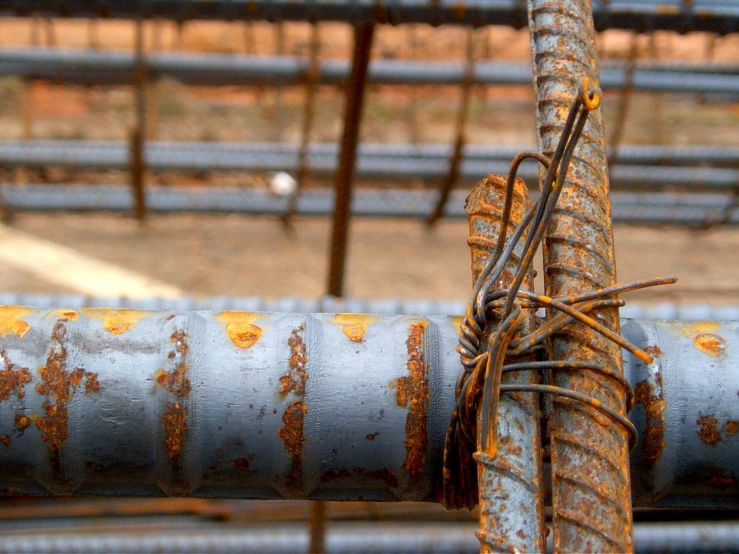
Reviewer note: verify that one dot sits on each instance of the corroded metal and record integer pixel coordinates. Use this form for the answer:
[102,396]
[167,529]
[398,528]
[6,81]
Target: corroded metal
[171,402]
[355,90]
[510,484]
[590,459]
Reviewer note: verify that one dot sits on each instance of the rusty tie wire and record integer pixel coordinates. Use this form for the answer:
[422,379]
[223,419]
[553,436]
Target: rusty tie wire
[499,313]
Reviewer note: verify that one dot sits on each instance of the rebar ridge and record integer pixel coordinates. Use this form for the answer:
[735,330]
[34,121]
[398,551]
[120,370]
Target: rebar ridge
[590,465]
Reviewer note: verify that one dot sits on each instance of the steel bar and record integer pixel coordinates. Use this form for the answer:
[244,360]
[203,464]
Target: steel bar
[514,477]
[410,160]
[623,103]
[343,538]
[591,499]
[138,134]
[205,404]
[662,208]
[720,16]
[328,304]
[450,178]
[118,68]
[355,90]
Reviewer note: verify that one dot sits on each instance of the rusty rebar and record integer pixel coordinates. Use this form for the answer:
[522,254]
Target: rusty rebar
[308,113]
[447,183]
[138,134]
[318,516]
[510,484]
[363,36]
[590,465]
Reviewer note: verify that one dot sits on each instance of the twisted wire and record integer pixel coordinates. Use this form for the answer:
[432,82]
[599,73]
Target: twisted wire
[491,339]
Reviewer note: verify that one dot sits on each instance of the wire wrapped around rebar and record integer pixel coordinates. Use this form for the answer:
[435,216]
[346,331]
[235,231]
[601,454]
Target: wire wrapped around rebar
[499,313]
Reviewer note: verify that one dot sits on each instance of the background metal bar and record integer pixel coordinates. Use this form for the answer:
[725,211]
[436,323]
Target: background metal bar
[721,16]
[636,208]
[591,498]
[355,90]
[102,387]
[118,68]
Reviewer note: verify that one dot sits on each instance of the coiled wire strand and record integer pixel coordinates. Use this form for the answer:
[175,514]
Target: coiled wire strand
[479,385]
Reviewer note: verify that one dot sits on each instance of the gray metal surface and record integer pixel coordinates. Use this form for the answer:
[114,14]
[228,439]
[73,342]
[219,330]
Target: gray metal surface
[699,15]
[118,68]
[425,159]
[342,537]
[653,208]
[236,438]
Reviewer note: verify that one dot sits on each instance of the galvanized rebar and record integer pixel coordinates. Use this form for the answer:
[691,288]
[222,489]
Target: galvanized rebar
[355,90]
[126,402]
[590,458]
[511,489]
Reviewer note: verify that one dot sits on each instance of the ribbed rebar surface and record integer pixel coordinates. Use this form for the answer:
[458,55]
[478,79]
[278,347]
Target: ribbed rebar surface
[590,463]
[510,484]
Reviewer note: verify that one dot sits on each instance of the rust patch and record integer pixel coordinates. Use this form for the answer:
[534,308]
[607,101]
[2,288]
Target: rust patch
[12,379]
[292,435]
[296,377]
[21,422]
[710,344]
[70,315]
[334,474]
[11,322]
[116,322]
[240,328]
[372,436]
[178,384]
[654,351]
[646,394]
[241,463]
[175,429]
[5,440]
[57,384]
[731,428]
[412,392]
[708,431]
[92,385]
[721,482]
[354,326]
[387,475]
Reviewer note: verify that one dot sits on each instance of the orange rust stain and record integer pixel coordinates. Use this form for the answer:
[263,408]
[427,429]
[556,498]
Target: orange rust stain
[92,385]
[21,422]
[11,322]
[731,428]
[69,315]
[58,384]
[12,378]
[116,322]
[178,384]
[721,482]
[333,474]
[292,435]
[387,475]
[240,327]
[295,379]
[372,436]
[412,391]
[354,326]
[653,351]
[645,393]
[708,431]
[175,429]
[693,328]
[5,440]
[710,344]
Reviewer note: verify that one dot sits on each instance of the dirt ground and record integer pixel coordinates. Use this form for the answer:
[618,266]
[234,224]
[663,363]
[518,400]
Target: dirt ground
[244,255]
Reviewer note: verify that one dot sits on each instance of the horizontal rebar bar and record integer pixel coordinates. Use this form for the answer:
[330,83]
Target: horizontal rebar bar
[176,535]
[322,157]
[275,406]
[721,16]
[118,68]
[635,208]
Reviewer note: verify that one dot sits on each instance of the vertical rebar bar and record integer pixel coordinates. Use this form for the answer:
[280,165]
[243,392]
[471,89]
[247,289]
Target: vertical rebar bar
[509,483]
[278,119]
[138,164]
[623,102]
[363,36]
[449,180]
[590,457]
[318,515]
[311,81]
